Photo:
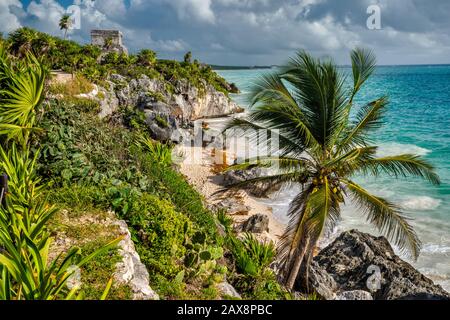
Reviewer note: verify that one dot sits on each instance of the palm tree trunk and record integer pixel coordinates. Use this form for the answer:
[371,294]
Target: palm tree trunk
[296,267]
[65,34]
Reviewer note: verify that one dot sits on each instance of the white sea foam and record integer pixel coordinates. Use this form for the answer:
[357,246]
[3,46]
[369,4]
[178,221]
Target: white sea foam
[435,248]
[420,203]
[394,148]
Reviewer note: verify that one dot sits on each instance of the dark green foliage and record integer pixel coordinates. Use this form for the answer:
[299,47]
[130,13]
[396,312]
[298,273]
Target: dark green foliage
[146,57]
[70,56]
[160,230]
[253,276]
[97,272]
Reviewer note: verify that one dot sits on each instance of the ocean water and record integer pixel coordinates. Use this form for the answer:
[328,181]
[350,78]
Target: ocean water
[417,121]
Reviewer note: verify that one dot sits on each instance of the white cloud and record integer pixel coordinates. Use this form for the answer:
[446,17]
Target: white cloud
[252,31]
[8,20]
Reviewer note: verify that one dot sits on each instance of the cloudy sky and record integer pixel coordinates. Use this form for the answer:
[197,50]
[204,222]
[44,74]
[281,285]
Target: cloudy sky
[253,32]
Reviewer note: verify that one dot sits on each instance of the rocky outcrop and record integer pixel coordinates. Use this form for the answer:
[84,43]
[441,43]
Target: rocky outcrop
[257,223]
[187,101]
[131,270]
[359,261]
[167,111]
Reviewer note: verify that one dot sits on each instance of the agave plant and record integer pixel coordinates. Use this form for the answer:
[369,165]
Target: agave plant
[306,106]
[21,93]
[25,269]
[160,153]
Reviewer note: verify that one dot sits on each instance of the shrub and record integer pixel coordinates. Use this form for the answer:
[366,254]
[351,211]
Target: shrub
[160,230]
[73,87]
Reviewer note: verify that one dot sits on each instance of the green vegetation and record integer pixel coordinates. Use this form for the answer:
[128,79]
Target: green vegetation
[88,61]
[60,155]
[26,271]
[65,24]
[322,148]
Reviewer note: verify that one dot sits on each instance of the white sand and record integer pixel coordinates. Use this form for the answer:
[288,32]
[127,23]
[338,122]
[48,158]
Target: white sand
[205,181]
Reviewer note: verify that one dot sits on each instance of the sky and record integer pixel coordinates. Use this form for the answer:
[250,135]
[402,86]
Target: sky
[254,32]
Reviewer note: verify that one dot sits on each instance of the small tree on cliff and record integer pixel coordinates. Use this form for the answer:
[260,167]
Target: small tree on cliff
[188,57]
[321,149]
[146,57]
[65,23]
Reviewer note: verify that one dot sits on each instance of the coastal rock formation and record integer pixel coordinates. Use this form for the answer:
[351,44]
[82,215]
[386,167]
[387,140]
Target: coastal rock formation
[359,261]
[257,223]
[186,101]
[131,270]
[166,112]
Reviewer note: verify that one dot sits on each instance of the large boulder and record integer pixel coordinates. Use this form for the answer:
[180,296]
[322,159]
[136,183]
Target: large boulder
[359,261]
[257,223]
[232,207]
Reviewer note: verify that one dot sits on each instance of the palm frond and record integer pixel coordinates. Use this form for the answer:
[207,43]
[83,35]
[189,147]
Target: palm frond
[275,107]
[318,89]
[402,165]
[363,66]
[268,181]
[367,119]
[387,218]
[274,140]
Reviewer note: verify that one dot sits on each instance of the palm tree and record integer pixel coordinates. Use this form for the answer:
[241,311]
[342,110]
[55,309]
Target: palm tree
[307,107]
[65,23]
[21,41]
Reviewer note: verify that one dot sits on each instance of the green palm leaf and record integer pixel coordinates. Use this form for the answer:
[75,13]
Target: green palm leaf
[387,218]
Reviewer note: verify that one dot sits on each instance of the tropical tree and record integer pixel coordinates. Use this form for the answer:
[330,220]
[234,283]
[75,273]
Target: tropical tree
[65,23]
[146,57]
[188,57]
[306,106]
[21,41]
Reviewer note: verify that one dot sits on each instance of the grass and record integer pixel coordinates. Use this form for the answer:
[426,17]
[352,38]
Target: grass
[78,85]
[89,230]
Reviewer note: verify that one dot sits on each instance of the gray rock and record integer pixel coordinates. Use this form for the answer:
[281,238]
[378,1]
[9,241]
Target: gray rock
[257,223]
[227,290]
[353,261]
[131,270]
[322,282]
[354,295]
[110,103]
[232,207]
[187,102]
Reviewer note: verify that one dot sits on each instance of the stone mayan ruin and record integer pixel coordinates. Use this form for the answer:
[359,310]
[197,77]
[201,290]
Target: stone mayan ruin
[108,40]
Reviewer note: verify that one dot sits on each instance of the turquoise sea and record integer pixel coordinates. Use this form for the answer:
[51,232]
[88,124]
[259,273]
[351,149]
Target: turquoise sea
[417,121]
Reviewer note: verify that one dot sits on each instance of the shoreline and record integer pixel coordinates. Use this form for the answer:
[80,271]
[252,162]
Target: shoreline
[203,178]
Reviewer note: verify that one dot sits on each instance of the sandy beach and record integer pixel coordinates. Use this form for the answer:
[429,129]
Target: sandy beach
[207,182]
